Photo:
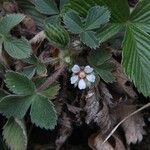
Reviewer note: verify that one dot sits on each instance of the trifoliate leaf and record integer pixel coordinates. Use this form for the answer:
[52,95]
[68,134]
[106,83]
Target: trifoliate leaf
[57,35]
[47,7]
[9,22]
[96,16]
[136,58]
[15,135]
[89,38]
[141,15]
[14,105]
[73,22]
[51,91]
[43,113]
[19,84]
[17,48]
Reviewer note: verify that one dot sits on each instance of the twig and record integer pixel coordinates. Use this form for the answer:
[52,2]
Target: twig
[52,78]
[38,38]
[130,115]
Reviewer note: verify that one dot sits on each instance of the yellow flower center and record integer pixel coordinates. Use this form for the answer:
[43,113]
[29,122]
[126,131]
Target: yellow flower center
[82,75]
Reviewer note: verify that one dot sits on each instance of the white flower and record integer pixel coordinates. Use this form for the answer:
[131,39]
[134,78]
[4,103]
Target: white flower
[82,76]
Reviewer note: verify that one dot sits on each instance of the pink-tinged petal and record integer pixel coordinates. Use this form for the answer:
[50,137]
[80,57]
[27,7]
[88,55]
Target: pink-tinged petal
[74,79]
[88,69]
[75,69]
[91,77]
[81,84]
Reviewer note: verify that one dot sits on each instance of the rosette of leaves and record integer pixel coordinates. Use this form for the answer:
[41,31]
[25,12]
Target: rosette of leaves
[136,43]
[16,48]
[99,60]
[24,96]
[85,27]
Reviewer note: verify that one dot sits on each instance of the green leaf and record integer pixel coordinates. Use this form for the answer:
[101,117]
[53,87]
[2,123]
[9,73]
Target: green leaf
[17,48]
[2,144]
[51,91]
[99,61]
[38,65]
[81,6]
[57,35]
[9,22]
[43,113]
[56,20]
[15,135]
[119,8]
[41,68]
[104,71]
[89,39]
[32,60]
[2,93]
[63,3]
[29,71]
[73,22]
[98,57]
[105,33]
[19,84]
[47,7]
[14,105]
[136,58]
[141,15]
[96,16]
[30,10]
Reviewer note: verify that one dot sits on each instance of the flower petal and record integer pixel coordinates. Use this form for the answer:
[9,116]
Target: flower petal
[91,77]
[88,69]
[81,84]
[75,69]
[74,79]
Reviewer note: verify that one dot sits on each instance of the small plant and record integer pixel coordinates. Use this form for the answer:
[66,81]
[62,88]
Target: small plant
[71,37]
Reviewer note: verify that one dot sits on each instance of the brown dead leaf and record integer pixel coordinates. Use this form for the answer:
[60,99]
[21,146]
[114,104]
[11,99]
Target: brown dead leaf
[10,7]
[29,24]
[98,111]
[133,126]
[104,120]
[96,143]
[92,106]
[105,93]
[64,131]
[123,84]
[73,109]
